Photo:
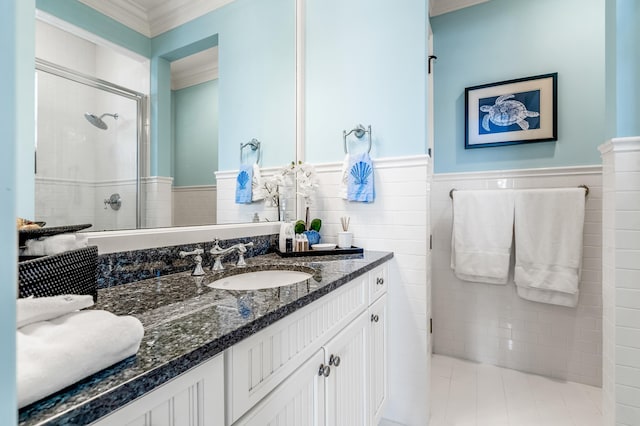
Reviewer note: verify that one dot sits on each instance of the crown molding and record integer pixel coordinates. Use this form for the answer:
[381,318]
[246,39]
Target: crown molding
[152,20]
[440,7]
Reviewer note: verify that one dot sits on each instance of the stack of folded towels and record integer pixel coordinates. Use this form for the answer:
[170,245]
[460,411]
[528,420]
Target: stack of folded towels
[58,344]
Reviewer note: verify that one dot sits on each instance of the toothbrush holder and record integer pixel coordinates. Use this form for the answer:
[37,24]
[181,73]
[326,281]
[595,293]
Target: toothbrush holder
[345,239]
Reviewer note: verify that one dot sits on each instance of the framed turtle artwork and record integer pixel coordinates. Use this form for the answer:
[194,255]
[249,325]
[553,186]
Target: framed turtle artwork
[512,112]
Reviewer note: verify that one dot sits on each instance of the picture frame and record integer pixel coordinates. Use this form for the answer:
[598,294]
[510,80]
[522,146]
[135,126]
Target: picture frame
[512,112]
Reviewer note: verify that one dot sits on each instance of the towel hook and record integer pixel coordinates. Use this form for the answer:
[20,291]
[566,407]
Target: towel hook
[254,144]
[359,131]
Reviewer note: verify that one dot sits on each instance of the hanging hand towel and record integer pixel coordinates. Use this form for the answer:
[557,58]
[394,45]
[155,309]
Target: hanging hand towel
[360,179]
[257,192]
[344,178]
[243,184]
[548,233]
[52,355]
[482,234]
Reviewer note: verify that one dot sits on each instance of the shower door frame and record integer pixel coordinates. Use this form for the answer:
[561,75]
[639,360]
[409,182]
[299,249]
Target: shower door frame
[141,104]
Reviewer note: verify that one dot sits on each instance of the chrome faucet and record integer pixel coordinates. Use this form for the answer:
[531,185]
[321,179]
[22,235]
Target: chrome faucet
[197,271]
[218,253]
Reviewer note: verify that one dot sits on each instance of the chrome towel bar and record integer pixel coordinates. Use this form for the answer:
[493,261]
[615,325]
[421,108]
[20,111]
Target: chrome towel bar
[586,191]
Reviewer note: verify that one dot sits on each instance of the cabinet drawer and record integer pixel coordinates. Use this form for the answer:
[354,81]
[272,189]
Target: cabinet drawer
[262,361]
[378,282]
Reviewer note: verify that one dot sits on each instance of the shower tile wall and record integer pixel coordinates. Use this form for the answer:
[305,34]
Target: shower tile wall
[490,323]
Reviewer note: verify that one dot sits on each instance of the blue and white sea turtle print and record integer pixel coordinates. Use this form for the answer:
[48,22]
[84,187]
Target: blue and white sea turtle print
[505,112]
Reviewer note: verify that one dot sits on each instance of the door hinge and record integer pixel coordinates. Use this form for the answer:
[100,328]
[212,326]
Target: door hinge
[430,325]
[430,242]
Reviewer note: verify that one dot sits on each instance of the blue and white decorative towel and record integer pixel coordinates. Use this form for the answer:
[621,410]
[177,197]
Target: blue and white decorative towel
[243,184]
[360,179]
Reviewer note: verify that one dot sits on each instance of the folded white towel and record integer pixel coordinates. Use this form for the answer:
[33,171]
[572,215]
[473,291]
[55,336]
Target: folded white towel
[482,234]
[257,191]
[548,233]
[54,244]
[34,309]
[344,178]
[52,355]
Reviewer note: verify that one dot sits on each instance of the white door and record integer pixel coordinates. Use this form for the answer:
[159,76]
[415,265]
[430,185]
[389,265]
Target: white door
[347,382]
[298,401]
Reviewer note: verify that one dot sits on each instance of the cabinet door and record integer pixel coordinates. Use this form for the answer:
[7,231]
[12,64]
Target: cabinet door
[298,401]
[378,388]
[347,384]
[195,398]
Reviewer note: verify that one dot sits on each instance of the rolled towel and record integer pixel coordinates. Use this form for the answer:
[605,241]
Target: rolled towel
[257,191]
[54,244]
[34,309]
[243,184]
[52,355]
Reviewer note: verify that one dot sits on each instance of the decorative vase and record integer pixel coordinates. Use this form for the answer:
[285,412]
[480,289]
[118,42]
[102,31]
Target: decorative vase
[312,236]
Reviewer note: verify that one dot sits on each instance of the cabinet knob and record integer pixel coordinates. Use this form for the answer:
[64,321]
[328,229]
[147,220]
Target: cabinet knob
[324,370]
[374,318]
[379,281]
[334,360]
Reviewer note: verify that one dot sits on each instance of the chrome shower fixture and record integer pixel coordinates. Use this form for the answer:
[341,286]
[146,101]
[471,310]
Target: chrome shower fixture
[97,121]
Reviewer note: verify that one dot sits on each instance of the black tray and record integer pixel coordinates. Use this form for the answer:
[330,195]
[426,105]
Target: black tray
[335,251]
[29,234]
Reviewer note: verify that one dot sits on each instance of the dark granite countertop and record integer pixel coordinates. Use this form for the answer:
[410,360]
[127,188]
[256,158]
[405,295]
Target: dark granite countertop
[187,323]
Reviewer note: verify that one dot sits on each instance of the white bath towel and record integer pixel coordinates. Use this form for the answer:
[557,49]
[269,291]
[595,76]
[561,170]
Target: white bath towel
[548,236]
[257,190]
[482,234]
[34,309]
[52,355]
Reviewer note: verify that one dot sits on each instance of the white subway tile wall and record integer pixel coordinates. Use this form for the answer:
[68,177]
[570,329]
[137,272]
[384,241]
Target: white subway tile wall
[621,281]
[397,221]
[157,201]
[194,205]
[491,323]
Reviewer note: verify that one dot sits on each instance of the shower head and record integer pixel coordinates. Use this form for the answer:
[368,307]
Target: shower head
[97,121]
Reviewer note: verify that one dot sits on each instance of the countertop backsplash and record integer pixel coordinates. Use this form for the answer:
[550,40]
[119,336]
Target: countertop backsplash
[135,265]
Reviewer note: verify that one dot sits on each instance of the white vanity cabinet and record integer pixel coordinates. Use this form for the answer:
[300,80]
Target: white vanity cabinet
[322,365]
[195,398]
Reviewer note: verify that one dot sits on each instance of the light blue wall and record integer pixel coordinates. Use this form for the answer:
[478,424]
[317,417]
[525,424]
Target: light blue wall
[365,62]
[93,21]
[16,124]
[506,39]
[256,42]
[195,132]
[625,52]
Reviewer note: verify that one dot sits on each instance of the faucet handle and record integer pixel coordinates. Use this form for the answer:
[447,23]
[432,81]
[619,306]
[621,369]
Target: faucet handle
[189,253]
[242,248]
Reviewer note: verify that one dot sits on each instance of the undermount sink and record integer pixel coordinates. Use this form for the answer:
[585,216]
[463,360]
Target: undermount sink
[256,280]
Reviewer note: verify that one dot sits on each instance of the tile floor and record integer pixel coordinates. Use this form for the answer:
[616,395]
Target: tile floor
[468,393]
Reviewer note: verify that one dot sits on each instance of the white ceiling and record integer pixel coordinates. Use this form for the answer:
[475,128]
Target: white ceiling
[153,17]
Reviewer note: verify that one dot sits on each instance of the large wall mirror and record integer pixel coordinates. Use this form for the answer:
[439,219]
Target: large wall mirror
[213,83]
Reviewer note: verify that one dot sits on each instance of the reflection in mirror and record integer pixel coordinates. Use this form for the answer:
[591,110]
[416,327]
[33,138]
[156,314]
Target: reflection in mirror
[194,101]
[190,134]
[87,137]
